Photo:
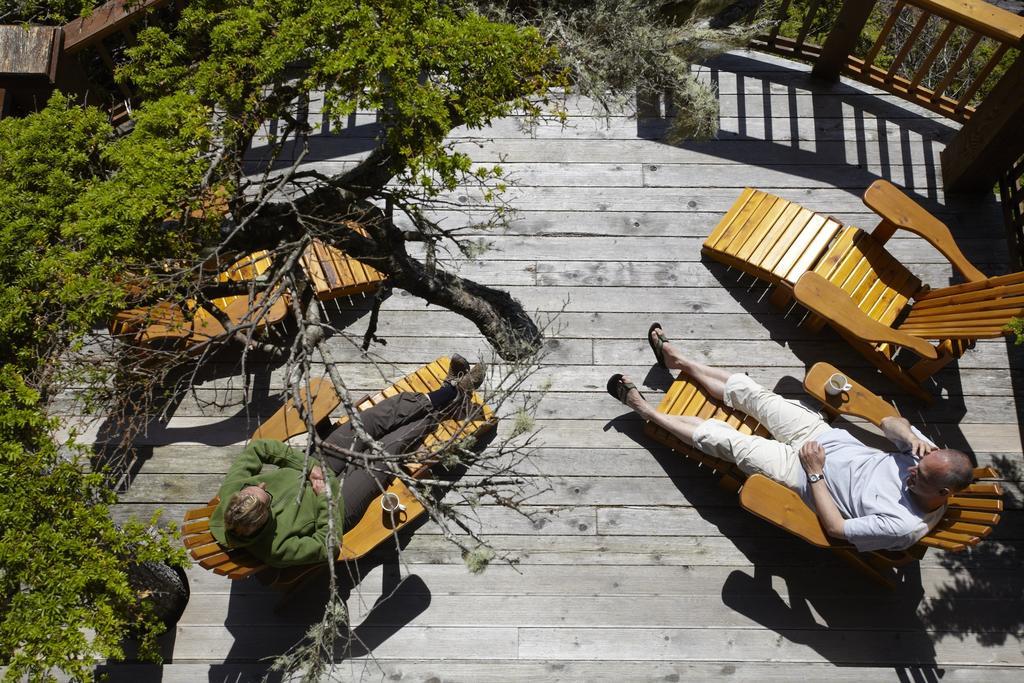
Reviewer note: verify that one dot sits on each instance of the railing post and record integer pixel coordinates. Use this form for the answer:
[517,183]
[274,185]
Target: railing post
[991,141]
[842,38]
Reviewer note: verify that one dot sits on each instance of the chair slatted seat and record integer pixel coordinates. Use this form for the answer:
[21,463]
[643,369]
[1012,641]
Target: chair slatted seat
[332,273]
[879,284]
[853,283]
[969,517]
[686,397]
[192,324]
[375,527]
[770,238]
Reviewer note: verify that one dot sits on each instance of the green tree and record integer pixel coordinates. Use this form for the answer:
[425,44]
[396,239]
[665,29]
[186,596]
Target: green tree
[65,241]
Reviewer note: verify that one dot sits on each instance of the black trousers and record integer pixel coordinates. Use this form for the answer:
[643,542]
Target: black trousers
[400,423]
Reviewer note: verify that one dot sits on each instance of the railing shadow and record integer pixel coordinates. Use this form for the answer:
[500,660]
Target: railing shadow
[857,137]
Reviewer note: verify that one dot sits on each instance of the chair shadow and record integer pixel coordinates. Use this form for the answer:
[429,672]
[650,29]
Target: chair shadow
[325,143]
[264,625]
[982,597]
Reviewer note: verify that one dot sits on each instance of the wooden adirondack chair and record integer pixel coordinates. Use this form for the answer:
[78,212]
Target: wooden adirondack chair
[847,278]
[375,527]
[970,515]
[168,323]
[333,273]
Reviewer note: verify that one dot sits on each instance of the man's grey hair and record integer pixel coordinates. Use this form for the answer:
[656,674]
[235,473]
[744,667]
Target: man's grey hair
[958,471]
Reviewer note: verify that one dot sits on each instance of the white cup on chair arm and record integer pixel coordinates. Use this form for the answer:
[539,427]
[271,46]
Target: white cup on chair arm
[837,384]
[391,502]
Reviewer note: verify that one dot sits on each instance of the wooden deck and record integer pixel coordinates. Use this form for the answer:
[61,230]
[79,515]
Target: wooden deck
[641,569]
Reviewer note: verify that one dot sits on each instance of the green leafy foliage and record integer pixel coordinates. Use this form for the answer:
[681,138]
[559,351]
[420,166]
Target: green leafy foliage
[425,66]
[51,12]
[1016,328]
[81,209]
[64,560]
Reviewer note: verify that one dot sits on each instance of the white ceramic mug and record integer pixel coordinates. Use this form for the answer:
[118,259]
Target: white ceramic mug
[391,502]
[837,384]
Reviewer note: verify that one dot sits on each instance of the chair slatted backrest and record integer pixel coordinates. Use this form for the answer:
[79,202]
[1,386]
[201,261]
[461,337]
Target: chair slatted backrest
[333,273]
[687,397]
[879,284]
[974,310]
[770,238]
[370,531]
[208,553]
[970,515]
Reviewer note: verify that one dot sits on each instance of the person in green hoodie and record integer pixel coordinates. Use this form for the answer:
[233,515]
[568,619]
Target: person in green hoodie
[283,518]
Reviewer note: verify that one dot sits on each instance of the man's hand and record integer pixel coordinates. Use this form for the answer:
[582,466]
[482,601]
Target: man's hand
[812,457]
[919,447]
[897,430]
[316,479]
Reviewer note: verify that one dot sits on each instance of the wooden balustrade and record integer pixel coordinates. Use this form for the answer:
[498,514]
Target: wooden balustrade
[1011,192]
[989,142]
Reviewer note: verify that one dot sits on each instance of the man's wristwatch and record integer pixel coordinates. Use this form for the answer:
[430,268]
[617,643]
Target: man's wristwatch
[812,478]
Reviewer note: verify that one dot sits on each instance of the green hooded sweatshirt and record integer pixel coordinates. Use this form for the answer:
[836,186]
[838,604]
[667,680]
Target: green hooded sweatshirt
[296,532]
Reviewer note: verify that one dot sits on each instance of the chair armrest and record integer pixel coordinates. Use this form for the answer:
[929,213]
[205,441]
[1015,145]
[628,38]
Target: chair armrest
[376,526]
[773,502]
[288,421]
[836,306]
[857,401]
[900,211]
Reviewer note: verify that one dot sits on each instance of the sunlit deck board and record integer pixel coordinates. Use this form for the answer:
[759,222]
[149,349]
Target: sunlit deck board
[642,568]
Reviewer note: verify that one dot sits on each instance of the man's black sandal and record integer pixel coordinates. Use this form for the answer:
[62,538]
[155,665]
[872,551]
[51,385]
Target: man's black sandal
[619,389]
[657,342]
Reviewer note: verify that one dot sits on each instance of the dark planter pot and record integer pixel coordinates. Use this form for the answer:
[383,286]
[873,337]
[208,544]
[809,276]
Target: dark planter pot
[163,586]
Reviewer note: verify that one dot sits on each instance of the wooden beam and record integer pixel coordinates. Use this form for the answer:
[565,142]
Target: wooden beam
[28,51]
[842,38]
[103,21]
[990,142]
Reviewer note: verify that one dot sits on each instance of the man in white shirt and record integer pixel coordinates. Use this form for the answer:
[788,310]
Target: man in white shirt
[875,500]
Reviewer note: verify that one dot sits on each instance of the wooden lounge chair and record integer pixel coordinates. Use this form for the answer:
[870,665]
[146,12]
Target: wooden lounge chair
[970,515]
[167,323]
[375,527]
[846,277]
[332,273]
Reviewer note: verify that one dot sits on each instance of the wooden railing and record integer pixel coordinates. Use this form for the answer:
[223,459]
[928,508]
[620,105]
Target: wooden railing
[84,55]
[1011,192]
[990,140]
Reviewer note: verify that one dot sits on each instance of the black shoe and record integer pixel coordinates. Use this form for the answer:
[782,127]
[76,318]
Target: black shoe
[472,379]
[458,367]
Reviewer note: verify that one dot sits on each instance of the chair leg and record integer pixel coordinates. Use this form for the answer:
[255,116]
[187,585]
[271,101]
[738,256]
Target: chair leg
[925,368]
[781,297]
[814,323]
[890,369]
